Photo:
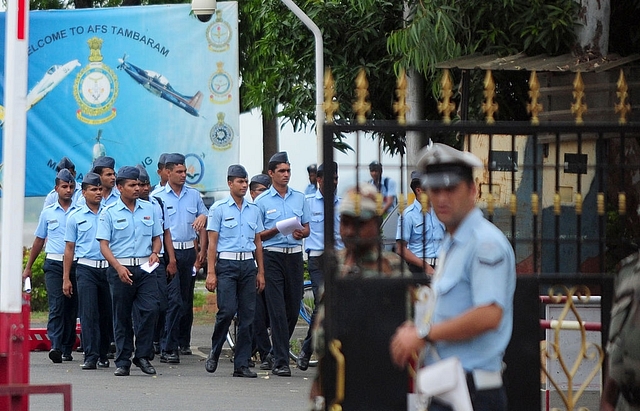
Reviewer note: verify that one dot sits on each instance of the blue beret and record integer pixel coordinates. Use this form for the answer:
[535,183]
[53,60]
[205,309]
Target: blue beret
[280,157]
[162,160]
[144,176]
[236,170]
[65,175]
[375,165]
[92,179]
[105,162]
[416,175]
[65,163]
[174,158]
[321,169]
[312,168]
[128,173]
[263,179]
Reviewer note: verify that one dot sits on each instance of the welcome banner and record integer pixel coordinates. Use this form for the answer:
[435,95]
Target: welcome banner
[131,83]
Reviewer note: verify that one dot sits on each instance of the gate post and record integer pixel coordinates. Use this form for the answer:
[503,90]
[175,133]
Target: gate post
[14,355]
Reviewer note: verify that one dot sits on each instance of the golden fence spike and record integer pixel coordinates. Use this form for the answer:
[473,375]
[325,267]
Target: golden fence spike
[424,202]
[535,203]
[623,107]
[358,203]
[446,106]
[489,107]
[490,204]
[556,203]
[578,107]
[379,201]
[534,108]
[361,106]
[600,203]
[578,203]
[622,203]
[330,105]
[402,204]
[400,107]
[513,204]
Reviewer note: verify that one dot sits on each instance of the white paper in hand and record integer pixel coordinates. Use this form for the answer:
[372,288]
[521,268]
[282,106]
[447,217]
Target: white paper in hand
[288,226]
[149,267]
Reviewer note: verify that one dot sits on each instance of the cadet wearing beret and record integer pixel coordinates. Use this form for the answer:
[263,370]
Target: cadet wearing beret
[235,269]
[63,311]
[282,257]
[105,167]
[186,215]
[474,283]
[420,233]
[129,233]
[94,296]
[162,172]
[312,187]
[52,197]
[258,184]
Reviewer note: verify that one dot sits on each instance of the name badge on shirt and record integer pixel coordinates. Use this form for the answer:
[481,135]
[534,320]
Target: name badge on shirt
[146,217]
[273,210]
[122,220]
[82,222]
[229,218]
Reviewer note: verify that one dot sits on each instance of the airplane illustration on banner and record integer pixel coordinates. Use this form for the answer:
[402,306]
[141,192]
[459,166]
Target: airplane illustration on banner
[158,85]
[49,81]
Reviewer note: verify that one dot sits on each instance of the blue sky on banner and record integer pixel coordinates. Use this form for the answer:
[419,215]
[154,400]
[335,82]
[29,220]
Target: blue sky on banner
[131,83]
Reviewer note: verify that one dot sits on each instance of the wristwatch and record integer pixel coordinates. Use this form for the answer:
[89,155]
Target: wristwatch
[423,331]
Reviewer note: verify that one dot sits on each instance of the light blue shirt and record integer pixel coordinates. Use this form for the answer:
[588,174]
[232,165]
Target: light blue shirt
[387,188]
[476,268]
[161,211]
[52,197]
[310,189]
[274,208]
[82,226]
[113,196]
[129,234]
[237,228]
[181,211]
[52,225]
[415,226]
[315,241]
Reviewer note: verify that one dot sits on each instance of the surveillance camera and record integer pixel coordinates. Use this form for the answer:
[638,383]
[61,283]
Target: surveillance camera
[203,9]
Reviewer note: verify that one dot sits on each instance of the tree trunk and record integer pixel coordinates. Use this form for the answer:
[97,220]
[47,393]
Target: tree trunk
[269,139]
[593,33]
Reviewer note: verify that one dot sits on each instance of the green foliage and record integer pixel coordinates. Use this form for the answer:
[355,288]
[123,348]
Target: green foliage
[39,300]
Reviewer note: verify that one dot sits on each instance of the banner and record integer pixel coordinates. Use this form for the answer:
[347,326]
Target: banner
[131,83]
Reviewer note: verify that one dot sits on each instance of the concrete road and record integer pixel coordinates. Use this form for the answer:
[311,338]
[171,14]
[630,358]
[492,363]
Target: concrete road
[176,387]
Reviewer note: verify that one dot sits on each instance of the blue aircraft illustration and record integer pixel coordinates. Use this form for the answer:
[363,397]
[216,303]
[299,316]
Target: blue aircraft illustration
[158,85]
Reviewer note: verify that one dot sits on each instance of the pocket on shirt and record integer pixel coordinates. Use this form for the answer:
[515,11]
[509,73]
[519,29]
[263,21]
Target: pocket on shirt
[121,225]
[146,229]
[53,225]
[191,214]
[270,217]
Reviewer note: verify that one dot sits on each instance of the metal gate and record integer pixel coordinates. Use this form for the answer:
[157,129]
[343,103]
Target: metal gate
[564,194]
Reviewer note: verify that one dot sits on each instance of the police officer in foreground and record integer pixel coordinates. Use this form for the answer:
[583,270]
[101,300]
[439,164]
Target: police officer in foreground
[419,233]
[474,284]
[129,234]
[94,296]
[235,269]
[63,311]
[283,265]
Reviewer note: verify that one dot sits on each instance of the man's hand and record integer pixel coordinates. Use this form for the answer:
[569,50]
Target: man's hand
[172,268]
[260,282]
[212,282]
[404,344]
[26,273]
[298,234]
[67,287]
[125,275]
[200,222]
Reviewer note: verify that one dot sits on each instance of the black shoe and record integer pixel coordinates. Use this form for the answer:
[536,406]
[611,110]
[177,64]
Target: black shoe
[156,348]
[303,361]
[252,364]
[186,351]
[112,351]
[67,357]
[283,371]
[89,365]
[103,364]
[144,365]
[55,356]
[267,363]
[111,356]
[121,372]
[173,357]
[244,372]
[211,364]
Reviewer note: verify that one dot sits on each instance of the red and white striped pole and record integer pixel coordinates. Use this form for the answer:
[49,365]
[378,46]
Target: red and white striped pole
[14,353]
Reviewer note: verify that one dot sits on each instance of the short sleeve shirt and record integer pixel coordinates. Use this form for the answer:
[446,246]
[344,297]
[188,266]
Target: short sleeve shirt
[52,225]
[181,211]
[81,230]
[423,233]
[274,208]
[237,228]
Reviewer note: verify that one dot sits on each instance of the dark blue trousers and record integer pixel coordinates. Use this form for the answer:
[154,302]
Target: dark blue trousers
[317,281]
[142,296]
[485,400]
[161,278]
[283,292]
[63,311]
[261,340]
[94,301]
[236,294]
[184,337]
[178,291]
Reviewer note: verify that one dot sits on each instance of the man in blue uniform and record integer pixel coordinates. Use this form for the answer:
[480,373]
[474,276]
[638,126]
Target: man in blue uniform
[261,340]
[168,266]
[235,269]
[420,233]
[52,197]
[105,167]
[129,233]
[474,284]
[314,245]
[186,215]
[63,311]
[282,257]
[312,187]
[162,173]
[94,296]
[385,186]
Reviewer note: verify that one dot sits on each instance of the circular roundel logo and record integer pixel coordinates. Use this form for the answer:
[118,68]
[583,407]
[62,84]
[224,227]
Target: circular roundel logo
[195,168]
[95,91]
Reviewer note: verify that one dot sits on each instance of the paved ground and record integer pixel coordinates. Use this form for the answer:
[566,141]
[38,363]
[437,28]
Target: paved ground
[185,386]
